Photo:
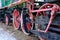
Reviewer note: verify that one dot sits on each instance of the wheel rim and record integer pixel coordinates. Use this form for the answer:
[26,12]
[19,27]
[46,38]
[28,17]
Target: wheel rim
[16,19]
[26,29]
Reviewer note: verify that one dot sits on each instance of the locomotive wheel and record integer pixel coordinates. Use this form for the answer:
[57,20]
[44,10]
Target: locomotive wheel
[25,24]
[47,16]
[44,20]
[26,30]
[16,19]
[6,20]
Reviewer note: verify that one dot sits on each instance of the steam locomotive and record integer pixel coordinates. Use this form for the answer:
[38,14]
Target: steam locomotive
[40,17]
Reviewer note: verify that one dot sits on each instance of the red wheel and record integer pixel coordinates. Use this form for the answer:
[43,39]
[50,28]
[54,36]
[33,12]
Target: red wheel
[26,29]
[16,19]
[6,20]
[25,25]
[54,8]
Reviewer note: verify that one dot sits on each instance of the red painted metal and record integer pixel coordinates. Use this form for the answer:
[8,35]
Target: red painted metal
[54,8]
[28,25]
[6,20]
[41,10]
[16,19]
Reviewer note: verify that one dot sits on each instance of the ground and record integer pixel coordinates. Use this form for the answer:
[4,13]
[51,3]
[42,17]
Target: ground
[11,34]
